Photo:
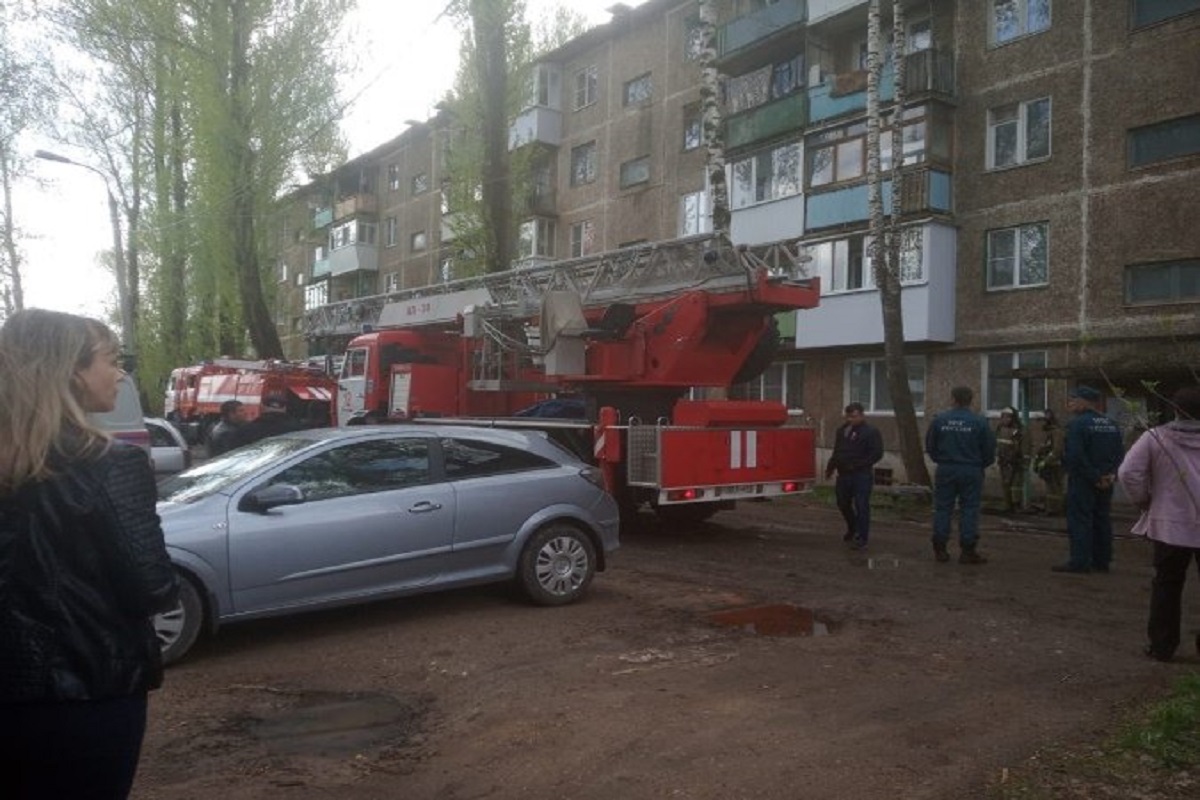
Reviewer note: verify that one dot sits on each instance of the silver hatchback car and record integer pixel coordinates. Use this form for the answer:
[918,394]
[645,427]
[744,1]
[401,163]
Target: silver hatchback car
[332,517]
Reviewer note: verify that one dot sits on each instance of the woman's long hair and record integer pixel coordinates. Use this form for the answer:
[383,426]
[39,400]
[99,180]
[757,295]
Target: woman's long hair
[42,421]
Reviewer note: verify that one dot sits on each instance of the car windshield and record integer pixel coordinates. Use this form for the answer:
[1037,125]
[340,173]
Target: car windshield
[213,476]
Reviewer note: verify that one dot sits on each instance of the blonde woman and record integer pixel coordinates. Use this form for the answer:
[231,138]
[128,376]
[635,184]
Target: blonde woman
[82,567]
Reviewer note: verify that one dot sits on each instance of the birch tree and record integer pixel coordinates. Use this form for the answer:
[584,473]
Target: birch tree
[711,117]
[886,235]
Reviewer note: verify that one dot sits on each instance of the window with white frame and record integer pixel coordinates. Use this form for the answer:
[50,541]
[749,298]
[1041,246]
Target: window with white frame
[418,241]
[782,381]
[283,271]
[1018,133]
[420,183]
[867,383]
[583,164]
[446,269]
[839,154]
[639,90]
[393,173]
[635,171]
[693,214]
[845,265]
[693,131]
[1018,256]
[769,175]
[536,238]
[391,282]
[351,233]
[390,232]
[1012,19]
[586,83]
[583,238]
[920,35]
[1002,389]
[316,295]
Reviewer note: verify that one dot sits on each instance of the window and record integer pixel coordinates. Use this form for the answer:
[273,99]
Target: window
[693,131]
[639,90]
[920,35]
[390,232]
[354,365]
[693,41]
[360,468]
[1012,19]
[446,269]
[350,233]
[283,271]
[316,295]
[418,242]
[752,89]
[585,86]
[866,383]
[420,183]
[1018,133]
[1018,256]
[583,164]
[845,265]
[1148,12]
[583,238]
[536,238]
[1003,390]
[393,173]
[472,459]
[840,154]
[1163,141]
[391,282]
[769,175]
[693,214]
[635,172]
[1164,282]
[782,381]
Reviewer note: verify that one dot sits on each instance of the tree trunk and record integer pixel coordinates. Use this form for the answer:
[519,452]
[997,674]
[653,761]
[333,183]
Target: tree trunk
[711,118]
[492,61]
[14,292]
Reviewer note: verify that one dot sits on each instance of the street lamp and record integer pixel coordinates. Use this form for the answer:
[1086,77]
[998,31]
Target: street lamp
[114,213]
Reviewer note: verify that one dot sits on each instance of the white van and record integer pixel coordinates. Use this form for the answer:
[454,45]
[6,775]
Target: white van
[125,421]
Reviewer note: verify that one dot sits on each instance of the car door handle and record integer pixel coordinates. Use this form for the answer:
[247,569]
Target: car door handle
[424,507]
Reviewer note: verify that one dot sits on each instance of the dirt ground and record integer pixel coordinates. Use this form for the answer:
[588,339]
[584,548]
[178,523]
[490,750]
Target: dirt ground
[876,675]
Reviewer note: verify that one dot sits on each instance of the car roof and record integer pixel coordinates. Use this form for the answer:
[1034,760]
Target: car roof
[517,438]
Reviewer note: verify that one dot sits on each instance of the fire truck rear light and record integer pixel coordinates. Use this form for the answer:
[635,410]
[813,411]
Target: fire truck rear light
[791,486]
[678,495]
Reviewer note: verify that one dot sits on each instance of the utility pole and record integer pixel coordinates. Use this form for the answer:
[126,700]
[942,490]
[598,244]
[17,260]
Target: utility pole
[128,327]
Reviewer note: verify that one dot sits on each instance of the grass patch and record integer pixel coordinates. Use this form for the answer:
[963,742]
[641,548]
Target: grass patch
[1153,756]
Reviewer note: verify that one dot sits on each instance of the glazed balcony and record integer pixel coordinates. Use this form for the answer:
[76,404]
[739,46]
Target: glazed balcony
[927,72]
[537,124]
[322,218]
[750,30]
[925,190]
[770,119]
[321,268]
[354,258]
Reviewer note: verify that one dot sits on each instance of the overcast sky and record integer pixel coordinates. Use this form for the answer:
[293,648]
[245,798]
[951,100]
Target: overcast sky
[409,57]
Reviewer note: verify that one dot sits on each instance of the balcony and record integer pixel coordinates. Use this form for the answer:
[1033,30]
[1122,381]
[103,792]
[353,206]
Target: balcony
[321,268]
[353,204]
[770,119]
[821,10]
[354,258]
[927,72]
[750,30]
[925,190]
[322,218]
[537,124]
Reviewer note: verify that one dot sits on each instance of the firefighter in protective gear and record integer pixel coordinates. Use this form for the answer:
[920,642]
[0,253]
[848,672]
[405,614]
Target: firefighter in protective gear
[1047,463]
[1010,456]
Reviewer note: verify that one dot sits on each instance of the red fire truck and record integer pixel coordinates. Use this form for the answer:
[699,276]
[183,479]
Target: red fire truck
[629,342]
[194,394]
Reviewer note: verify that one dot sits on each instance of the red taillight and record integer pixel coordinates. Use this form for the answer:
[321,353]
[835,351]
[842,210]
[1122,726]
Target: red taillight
[791,486]
[679,495]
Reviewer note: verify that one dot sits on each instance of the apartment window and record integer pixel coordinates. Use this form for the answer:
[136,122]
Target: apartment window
[418,241]
[282,271]
[693,214]
[300,279]
[1002,390]
[393,173]
[536,238]
[1163,141]
[769,175]
[446,269]
[839,154]
[316,295]
[639,90]
[1018,133]
[693,131]
[391,282]
[1148,12]
[1012,19]
[583,238]
[1163,282]
[845,265]
[351,233]
[420,183]
[1018,257]
[782,382]
[583,164]
[920,35]
[390,232]
[866,383]
[693,41]
[635,171]
[586,81]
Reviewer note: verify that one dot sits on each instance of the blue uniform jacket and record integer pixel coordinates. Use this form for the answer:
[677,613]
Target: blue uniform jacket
[1094,446]
[960,436]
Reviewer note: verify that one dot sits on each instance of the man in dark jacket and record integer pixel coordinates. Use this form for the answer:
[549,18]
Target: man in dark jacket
[272,420]
[961,444]
[857,448]
[1092,453]
[228,434]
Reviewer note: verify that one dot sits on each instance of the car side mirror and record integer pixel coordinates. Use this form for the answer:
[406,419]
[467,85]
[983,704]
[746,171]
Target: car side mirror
[263,500]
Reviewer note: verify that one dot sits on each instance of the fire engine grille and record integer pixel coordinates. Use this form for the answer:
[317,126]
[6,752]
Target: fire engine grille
[642,448]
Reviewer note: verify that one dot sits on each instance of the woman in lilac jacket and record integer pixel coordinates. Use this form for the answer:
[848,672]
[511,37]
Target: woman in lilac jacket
[1161,475]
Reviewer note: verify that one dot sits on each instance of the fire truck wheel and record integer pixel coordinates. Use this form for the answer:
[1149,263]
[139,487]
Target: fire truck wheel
[557,564]
[178,629]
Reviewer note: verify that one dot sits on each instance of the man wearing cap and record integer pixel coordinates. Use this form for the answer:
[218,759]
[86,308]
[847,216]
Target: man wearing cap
[962,445]
[1092,453]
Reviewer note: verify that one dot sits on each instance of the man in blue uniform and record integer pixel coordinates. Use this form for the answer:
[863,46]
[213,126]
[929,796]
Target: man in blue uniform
[857,448]
[962,445]
[1092,452]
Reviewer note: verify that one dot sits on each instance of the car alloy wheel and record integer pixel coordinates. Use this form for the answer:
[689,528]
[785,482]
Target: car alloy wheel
[178,629]
[558,563]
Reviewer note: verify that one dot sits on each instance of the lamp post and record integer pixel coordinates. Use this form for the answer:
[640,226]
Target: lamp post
[114,212]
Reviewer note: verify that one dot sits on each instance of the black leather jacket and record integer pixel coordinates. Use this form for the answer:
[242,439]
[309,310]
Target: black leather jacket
[82,569]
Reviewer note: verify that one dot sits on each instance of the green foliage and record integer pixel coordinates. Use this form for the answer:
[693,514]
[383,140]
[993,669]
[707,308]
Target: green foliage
[1170,732]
